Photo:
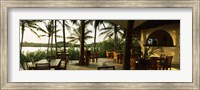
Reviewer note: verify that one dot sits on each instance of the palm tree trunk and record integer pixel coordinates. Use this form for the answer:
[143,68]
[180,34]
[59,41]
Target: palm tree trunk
[23,29]
[128,44]
[48,46]
[115,36]
[64,36]
[52,43]
[55,37]
[51,33]
[81,60]
[95,33]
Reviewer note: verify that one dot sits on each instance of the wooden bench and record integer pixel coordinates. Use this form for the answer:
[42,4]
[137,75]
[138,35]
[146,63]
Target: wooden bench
[113,67]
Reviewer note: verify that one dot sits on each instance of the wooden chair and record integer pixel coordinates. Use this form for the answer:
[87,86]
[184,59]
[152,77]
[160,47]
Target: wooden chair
[64,61]
[167,63]
[109,54]
[153,65]
[162,55]
[116,57]
[42,66]
[162,58]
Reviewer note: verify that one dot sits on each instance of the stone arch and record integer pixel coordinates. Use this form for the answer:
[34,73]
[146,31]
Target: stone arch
[159,38]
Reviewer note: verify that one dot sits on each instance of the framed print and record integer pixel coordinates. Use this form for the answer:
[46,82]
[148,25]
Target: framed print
[126,44]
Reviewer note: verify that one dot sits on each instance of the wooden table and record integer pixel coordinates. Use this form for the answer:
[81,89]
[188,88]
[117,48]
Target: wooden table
[54,63]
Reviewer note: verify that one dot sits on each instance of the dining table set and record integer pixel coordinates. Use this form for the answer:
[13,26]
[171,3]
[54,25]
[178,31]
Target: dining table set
[45,64]
[155,63]
[116,55]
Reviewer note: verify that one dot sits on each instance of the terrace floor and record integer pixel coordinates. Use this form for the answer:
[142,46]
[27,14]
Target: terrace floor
[72,65]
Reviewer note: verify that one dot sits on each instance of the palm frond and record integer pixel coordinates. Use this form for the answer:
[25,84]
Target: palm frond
[106,28]
[108,35]
[68,27]
[57,30]
[60,22]
[74,35]
[70,37]
[34,32]
[75,22]
[59,36]
[42,35]
[40,29]
[87,37]
[88,32]
[103,33]
[73,41]
[78,32]
[89,22]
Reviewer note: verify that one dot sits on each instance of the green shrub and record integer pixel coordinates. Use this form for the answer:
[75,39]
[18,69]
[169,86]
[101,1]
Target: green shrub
[110,46]
[73,53]
[33,56]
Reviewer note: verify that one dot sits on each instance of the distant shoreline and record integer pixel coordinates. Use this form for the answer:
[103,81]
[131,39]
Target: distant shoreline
[27,44]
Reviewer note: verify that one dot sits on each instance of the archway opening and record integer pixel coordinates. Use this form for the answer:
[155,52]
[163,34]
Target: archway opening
[159,38]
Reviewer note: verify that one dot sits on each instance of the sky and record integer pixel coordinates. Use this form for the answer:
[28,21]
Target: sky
[31,37]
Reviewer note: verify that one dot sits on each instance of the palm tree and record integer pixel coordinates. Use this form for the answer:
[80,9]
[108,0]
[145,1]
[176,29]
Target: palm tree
[113,30]
[80,35]
[28,24]
[82,25]
[64,42]
[65,23]
[76,36]
[97,24]
[49,31]
[55,22]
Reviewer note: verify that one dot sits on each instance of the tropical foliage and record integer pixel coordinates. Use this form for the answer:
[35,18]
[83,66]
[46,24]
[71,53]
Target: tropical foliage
[73,53]
[136,48]
[113,31]
[30,25]
[76,35]
[49,31]
[97,24]
[33,56]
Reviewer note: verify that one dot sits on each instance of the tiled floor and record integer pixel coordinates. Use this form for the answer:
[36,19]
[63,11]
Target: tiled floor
[72,65]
